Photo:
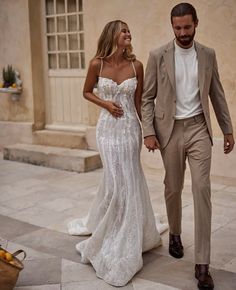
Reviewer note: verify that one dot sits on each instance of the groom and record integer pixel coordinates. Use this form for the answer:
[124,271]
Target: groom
[176,119]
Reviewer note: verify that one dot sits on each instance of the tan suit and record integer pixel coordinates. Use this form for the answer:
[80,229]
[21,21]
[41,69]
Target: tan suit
[158,119]
[190,138]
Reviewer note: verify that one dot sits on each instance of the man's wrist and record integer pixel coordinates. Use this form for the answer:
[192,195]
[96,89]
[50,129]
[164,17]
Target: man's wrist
[149,136]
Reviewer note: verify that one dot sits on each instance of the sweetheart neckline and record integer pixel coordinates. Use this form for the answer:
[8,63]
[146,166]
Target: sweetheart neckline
[115,81]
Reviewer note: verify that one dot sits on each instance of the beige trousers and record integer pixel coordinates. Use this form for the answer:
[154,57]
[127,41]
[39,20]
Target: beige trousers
[190,140]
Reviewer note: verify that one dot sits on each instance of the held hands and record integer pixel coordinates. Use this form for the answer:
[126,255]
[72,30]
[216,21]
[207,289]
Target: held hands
[151,143]
[228,143]
[115,109]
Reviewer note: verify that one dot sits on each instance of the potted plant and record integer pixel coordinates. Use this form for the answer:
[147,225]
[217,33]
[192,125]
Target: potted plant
[11,82]
[8,76]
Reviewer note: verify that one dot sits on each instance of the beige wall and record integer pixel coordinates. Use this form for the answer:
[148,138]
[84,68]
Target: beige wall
[150,26]
[15,50]
[20,45]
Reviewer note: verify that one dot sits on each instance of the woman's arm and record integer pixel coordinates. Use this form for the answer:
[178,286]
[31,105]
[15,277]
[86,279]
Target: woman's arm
[90,81]
[139,89]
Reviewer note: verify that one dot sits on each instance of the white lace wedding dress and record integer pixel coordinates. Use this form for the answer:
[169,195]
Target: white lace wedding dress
[121,218]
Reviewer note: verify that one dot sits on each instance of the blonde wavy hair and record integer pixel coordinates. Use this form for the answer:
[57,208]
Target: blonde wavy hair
[107,42]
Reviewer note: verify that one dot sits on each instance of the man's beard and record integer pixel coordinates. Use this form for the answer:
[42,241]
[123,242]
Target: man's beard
[186,39]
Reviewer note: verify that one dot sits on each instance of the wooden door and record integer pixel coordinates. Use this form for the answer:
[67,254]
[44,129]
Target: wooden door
[65,64]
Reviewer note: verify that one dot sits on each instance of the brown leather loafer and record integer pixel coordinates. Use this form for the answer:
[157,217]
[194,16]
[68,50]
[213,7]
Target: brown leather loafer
[176,249]
[203,275]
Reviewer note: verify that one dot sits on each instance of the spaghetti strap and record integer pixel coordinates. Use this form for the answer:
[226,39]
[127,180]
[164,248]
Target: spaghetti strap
[134,69]
[101,67]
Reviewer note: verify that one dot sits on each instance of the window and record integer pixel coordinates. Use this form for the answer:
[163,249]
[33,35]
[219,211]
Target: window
[65,34]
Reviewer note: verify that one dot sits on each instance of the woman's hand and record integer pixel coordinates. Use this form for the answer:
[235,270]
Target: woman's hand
[114,108]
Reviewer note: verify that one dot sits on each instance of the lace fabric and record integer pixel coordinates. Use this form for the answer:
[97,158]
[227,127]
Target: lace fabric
[121,218]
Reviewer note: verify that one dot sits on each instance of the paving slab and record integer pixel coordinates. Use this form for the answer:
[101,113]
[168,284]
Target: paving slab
[31,254]
[77,272]
[3,242]
[93,285]
[179,273]
[40,287]
[48,241]
[141,284]
[230,266]
[12,228]
[36,203]
[48,272]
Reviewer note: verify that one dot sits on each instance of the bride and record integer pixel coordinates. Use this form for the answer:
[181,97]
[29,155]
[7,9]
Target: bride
[121,219]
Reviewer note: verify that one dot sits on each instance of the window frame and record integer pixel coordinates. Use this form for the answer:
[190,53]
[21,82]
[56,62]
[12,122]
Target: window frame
[63,37]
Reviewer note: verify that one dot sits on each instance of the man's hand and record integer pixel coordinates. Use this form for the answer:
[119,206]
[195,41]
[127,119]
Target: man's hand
[228,143]
[151,143]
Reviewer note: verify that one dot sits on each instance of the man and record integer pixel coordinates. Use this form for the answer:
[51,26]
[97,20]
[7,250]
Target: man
[176,119]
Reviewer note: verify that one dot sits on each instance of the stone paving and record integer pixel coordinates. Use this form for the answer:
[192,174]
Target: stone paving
[37,202]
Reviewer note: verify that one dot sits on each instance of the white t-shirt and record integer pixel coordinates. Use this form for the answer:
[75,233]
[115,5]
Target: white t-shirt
[186,78]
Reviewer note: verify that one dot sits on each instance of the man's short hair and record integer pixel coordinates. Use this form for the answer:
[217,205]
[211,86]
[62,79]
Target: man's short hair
[183,9]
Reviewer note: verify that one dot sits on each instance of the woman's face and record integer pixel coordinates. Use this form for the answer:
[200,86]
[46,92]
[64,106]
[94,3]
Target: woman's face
[124,38]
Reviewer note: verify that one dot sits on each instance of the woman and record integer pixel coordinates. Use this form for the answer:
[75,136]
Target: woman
[121,218]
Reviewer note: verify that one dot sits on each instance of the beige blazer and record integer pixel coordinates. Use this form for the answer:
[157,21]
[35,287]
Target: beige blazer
[159,95]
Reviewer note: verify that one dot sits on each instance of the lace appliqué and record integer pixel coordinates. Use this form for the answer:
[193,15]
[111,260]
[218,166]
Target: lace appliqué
[121,218]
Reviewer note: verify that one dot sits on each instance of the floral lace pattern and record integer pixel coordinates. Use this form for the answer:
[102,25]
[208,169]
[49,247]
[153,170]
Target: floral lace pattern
[121,218]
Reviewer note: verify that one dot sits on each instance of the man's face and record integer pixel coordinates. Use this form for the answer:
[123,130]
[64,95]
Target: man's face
[184,30]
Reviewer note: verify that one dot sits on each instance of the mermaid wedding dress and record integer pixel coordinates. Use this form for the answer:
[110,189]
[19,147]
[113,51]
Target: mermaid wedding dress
[121,218]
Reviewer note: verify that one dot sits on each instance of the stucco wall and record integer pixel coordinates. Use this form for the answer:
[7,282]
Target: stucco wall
[15,50]
[149,22]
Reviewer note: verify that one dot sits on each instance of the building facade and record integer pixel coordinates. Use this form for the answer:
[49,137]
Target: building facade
[50,42]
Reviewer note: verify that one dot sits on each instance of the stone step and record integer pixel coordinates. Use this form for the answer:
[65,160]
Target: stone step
[55,157]
[58,138]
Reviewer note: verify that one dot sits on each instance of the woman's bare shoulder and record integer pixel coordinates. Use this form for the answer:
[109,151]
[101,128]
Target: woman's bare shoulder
[138,65]
[95,62]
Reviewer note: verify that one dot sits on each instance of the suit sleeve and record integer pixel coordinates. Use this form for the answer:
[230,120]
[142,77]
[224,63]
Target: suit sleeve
[148,97]
[218,100]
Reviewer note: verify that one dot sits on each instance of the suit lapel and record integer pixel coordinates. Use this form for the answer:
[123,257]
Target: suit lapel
[201,66]
[170,63]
